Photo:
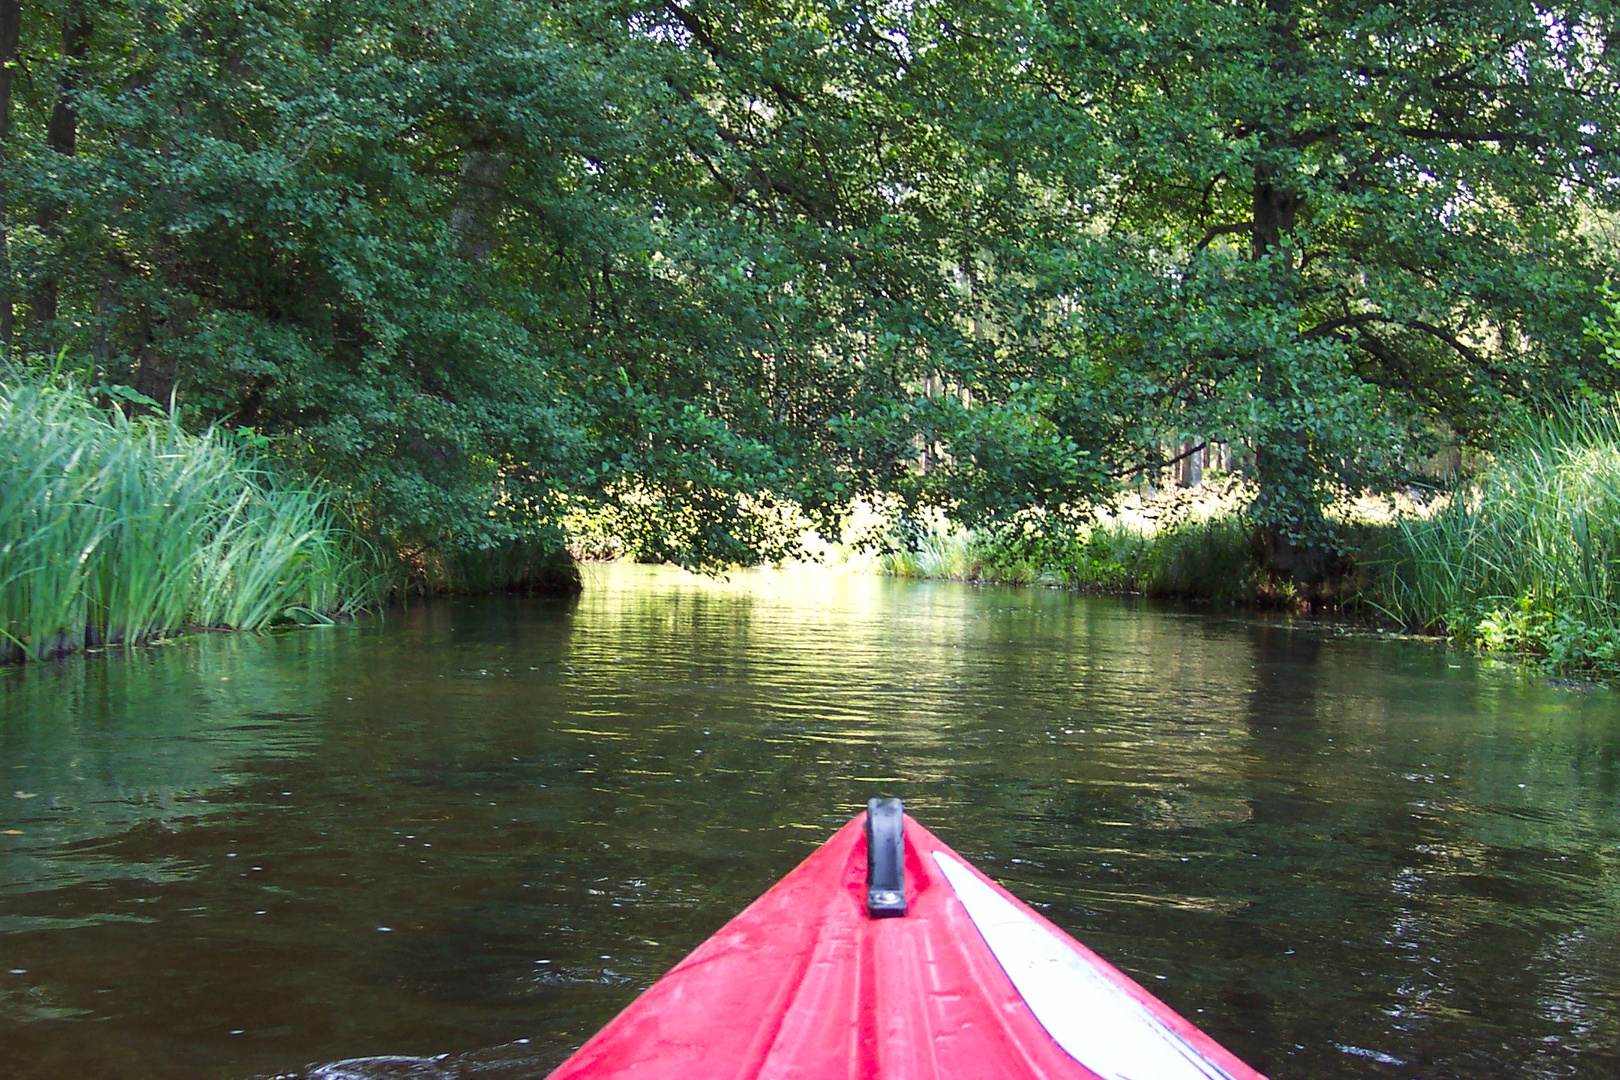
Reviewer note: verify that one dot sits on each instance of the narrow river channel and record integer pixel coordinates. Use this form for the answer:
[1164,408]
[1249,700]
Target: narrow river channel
[454,841]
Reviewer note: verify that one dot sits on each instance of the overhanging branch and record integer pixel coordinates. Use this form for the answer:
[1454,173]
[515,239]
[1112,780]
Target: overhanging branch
[1183,456]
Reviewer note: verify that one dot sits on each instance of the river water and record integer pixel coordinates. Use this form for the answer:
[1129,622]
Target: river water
[455,841]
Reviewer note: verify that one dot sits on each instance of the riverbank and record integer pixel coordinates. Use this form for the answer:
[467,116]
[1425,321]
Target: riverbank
[1175,543]
[120,529]
[1526,558]
[1521,559]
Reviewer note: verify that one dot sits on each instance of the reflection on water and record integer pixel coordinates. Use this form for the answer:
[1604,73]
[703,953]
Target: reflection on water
[455,842]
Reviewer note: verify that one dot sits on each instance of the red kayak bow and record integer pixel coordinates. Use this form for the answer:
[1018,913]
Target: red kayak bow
[886,955]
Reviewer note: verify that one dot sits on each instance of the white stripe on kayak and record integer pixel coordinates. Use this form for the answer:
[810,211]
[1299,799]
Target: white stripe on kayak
[1090,1016]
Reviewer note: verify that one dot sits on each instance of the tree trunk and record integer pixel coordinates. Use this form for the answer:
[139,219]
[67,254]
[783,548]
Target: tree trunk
[472,218]
[157,360]
[10,34]
[1190,469]
[1274,209]
[62,136]
[1275,201]
[1290,530]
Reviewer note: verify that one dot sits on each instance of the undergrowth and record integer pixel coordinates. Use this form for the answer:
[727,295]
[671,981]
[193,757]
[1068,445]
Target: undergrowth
[1187,544]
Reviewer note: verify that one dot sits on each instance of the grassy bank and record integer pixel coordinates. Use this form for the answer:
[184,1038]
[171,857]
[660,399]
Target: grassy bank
[1521,559]
[1527,559]
[1188,544]
[119,530]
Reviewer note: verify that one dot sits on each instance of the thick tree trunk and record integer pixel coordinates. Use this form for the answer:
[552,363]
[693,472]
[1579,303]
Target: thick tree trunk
[62,136]
[62,131]
[1288,553]
[1275,207]
[472,218]
[157,373]
[10,34]
[157,360]
[1306,566]
[1288,539]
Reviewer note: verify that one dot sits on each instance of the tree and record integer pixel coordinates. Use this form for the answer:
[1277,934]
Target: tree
[1325,230]
[463,259]
[10,39]
[473,260]
[470,260]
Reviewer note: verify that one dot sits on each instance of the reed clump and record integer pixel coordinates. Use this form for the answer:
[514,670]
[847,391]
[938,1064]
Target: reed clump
[1526,558]
[1194,557]
[941,549]
[119,529]
[1186,544]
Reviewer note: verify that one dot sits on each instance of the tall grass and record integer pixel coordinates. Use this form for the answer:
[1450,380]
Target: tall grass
[1192,558]
[944,550]
[1527,559]
[115,529]
[1191,552]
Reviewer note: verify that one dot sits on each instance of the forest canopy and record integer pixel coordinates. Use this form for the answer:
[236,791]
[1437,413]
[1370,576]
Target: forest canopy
[470,260]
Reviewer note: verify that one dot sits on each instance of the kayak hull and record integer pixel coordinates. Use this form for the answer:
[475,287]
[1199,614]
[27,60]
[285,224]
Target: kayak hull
[969,983]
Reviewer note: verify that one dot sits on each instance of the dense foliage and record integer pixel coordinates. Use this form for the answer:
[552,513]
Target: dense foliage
[1332,232]
[476,262]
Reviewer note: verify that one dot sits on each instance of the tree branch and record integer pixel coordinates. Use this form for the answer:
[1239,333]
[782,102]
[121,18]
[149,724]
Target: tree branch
[1183,456]
[1446,336]
[1223,230]
[701,35]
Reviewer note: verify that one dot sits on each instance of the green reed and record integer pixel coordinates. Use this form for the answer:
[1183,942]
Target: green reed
[1526,558]
[119,529]
[1192,556]
[945,551]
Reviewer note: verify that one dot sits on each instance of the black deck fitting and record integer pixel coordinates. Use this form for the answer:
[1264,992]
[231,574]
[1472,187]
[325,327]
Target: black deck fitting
[885,859]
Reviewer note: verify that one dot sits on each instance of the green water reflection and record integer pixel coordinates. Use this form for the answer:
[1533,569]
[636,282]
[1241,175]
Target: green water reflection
[457,841]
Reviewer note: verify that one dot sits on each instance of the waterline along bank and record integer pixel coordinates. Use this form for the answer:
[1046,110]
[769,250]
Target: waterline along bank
[1520,558]
[120,529]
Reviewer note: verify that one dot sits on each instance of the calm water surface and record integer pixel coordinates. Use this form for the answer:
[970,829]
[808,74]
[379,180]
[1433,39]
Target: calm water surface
[454,842]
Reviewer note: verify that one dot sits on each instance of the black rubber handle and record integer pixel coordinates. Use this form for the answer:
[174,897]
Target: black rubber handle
[885,859]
